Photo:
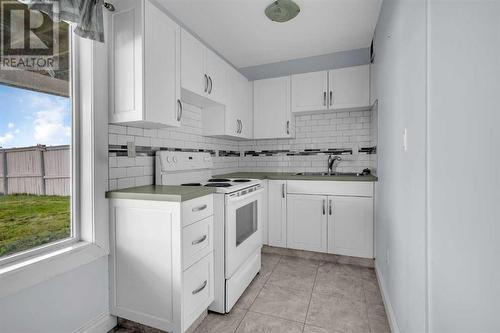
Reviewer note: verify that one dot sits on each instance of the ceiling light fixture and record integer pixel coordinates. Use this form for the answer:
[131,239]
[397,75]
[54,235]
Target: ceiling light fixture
[282,10]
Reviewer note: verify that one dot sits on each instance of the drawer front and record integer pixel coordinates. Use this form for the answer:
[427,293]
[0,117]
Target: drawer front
[198,289]
[358,189]
[197,209]
[197,241]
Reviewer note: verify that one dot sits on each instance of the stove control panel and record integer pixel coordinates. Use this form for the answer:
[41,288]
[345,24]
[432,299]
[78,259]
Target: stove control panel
[169,161]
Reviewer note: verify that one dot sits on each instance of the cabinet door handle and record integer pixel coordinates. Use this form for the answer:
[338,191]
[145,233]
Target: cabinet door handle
[241,126]
[288,127]
[331,98]
[200,288]
[206,82]
[330,207]
[283,190]
[324,206]
[197,209]
[324,98]
[211,85]
[199,240]
[179,110]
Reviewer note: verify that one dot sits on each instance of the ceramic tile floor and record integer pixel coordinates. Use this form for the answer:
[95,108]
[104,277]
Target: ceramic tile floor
[299,295]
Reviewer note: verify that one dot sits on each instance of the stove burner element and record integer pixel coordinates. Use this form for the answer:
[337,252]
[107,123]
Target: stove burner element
[191,184]
[242,180]
[218,180]
[218,185]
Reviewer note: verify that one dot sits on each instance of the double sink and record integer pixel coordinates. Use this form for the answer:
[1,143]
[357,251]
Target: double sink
[348,174]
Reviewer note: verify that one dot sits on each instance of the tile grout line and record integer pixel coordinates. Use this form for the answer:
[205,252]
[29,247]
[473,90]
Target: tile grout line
[310,297]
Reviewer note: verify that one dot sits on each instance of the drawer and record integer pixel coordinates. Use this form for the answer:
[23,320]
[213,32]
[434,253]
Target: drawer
[197,241]
[197,209]
[198,289]
[358,189]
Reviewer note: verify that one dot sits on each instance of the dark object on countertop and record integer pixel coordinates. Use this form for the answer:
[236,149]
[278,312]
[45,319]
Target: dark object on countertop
[366,172]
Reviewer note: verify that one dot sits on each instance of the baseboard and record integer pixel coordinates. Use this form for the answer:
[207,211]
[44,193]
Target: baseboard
[387,303]
[101,324]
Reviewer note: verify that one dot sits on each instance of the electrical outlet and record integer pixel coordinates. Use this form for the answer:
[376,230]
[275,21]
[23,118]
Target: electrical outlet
[405,140]
[131,149]
[387,257]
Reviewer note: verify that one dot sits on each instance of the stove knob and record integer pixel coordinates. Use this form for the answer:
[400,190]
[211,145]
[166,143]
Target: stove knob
[175,159]
[169,160]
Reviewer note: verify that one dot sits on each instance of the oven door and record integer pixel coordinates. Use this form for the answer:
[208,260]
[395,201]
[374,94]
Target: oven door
[243,228]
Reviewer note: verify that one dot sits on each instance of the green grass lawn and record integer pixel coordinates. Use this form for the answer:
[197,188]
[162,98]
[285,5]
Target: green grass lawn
[27,221]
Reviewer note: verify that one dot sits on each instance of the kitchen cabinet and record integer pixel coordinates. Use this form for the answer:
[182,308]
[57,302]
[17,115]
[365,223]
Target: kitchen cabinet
[277,222]
[306,224]
[338,89]
[161,261]
[333,217]
[265,212]
[350,226]
[203,73]
[235,119]
[272,112]
[144,71]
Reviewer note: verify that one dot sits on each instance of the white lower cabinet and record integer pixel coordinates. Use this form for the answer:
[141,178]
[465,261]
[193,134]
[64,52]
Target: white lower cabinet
[161,266]
[307,222]
[321,216]
[277,213]
[350,226]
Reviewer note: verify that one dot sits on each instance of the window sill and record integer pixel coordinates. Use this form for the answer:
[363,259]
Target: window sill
[29,272]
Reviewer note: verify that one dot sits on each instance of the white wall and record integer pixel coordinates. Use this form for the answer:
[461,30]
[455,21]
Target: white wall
[62,304]
[464,159]
[400,76]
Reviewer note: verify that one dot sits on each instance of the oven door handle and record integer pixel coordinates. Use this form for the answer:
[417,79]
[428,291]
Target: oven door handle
[243,197]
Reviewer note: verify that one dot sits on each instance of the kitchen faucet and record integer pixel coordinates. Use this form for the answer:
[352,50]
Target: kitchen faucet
[331,162]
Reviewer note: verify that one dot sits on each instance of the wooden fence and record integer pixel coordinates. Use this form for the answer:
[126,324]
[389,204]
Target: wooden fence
[36,170]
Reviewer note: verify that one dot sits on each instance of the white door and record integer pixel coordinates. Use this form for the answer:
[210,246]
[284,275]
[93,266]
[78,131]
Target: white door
[125,59]
[216,71]
[193,64]
[349,87]
[276,213]
[243,234]
[310,91]
[272,108]
[307,218]
[350,226]
[162,77]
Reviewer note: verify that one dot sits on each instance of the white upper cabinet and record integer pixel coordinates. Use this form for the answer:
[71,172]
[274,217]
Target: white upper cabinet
[349,88]
[272,111]
[144,66]
[339,89]
[310,91]
[203,73]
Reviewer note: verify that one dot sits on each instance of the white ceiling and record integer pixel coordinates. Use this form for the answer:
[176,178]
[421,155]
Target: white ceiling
[240,32]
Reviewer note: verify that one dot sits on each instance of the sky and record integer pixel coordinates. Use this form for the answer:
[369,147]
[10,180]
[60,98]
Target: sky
[28,118]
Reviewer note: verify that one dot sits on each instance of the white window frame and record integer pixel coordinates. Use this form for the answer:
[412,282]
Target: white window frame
[89,240]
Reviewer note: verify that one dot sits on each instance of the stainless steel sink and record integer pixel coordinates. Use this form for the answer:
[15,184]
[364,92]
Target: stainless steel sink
[350,174]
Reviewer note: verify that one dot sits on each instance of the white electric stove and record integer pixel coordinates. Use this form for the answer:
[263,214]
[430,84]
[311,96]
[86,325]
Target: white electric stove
[237,221]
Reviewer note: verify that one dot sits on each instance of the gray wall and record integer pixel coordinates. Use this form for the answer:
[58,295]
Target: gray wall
[309,64]
[400,231]
[464,183]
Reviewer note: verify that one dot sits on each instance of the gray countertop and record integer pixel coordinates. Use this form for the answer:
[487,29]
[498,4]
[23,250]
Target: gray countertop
[293,176]
[161,193]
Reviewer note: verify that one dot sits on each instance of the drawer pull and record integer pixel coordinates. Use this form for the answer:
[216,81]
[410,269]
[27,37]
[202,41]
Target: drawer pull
[200,288]
[197,209]
[199,240]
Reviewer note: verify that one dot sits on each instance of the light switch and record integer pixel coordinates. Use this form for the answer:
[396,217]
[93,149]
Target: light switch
[405,140]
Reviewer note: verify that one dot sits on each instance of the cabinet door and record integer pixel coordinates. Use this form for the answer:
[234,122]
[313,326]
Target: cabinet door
[193,64]
[350,87]
[125,59]
[272,108]
[350,226]
[234,103]
[310,91]
[307,222]
[216,71]
[162,79]
[277,213]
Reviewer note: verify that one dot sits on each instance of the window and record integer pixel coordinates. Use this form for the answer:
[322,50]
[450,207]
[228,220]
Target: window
[37,141]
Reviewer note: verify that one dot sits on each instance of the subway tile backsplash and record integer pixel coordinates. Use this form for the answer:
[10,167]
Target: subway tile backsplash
[316,136]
